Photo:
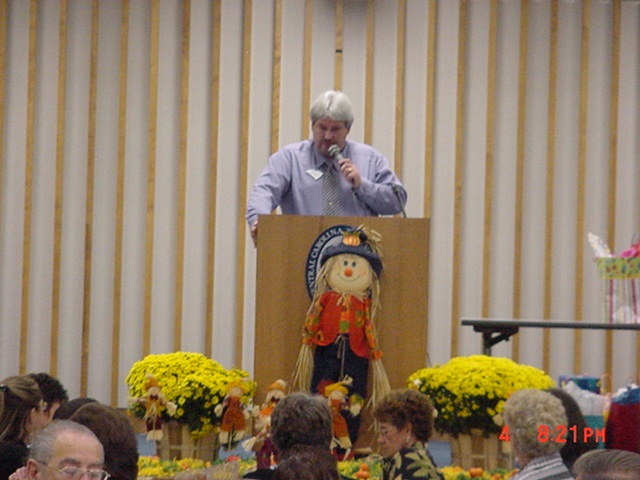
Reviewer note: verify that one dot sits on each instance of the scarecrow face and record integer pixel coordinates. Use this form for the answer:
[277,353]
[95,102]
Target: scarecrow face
[350,274]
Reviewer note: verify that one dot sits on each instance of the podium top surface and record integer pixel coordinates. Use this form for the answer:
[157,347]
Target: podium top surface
[497,323]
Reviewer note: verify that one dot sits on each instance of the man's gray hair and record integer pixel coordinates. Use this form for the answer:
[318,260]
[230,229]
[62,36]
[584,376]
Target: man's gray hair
[334,105]
[42,447]
[608,465]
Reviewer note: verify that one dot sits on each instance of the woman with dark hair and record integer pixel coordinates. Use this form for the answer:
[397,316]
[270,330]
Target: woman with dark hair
[115,432]
[309,463]
[22,415]
[577,443]
[405,425]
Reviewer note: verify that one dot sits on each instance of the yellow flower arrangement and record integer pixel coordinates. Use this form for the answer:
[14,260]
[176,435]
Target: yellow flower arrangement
[458,473]
[469,392]
[156,467]
[195,383]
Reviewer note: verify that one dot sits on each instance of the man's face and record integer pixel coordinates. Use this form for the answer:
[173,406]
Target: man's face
[327,132]
[70,449]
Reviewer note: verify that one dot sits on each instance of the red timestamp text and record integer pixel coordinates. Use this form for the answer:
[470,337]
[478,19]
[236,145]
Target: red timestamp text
[562,434]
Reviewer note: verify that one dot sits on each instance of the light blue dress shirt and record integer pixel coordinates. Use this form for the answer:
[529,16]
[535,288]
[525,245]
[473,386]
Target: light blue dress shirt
[293,180]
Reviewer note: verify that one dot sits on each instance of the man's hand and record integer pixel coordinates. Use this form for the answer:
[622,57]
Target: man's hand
[350,172]
[254,234]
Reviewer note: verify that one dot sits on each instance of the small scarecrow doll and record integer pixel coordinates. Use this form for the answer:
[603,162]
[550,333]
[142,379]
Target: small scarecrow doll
[338,339]
[340,402]
[155,404]
[233,426]
[266,451]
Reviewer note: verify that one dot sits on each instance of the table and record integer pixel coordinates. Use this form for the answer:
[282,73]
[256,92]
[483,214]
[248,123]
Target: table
[495,330]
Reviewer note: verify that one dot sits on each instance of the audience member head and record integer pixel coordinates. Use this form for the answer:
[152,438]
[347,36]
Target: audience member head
[607,465]
[576,444]
[66,411]
[403,417]
[308,463]
[525,412]
[333,105]
[118,438]
[65,449]
[53,393]
[21,409]
[301,419]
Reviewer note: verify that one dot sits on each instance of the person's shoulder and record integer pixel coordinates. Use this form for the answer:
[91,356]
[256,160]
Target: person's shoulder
[357,149]
[297,147]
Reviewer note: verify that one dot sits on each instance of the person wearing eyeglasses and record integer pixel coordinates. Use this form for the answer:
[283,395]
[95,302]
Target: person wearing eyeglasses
[66,450]
[22,415]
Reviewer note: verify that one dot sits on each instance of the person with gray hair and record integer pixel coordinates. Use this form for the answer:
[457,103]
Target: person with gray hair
[534,420]
[66,450]
[327,174]
[607,465]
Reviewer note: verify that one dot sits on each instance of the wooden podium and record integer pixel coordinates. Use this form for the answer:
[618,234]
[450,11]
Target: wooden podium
[284,242]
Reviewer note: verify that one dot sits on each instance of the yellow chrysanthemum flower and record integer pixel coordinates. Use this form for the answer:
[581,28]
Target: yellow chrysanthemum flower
[469,391]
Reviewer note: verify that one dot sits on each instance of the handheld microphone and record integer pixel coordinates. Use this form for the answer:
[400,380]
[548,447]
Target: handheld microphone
[334,151]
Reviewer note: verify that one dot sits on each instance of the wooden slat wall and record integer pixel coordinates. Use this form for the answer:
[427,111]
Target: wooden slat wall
[119,208]
[57,238]
[443,152]
[458,184]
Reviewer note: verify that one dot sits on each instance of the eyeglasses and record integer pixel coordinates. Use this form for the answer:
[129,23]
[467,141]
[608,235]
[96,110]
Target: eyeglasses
[76,473]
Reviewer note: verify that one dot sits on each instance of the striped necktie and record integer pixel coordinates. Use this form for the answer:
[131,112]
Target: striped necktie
[330,191]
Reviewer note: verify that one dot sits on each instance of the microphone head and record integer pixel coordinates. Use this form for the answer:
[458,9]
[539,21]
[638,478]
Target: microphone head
[334,150]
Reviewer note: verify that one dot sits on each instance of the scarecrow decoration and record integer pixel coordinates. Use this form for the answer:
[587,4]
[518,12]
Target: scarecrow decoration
[339,338]
[233,426]
[266,451]
[155,404]
[339,402]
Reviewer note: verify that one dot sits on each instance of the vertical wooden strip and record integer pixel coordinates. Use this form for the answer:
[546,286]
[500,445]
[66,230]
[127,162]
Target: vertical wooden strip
[213,174]
[118,247]
[459,166]
[551,162]
[244,158]
[28,189]
[306,76]
[337,81]
[488,169]
[3,70]
[151,174]
[91,157]
[613,157]
[522,110]
[182,174]
[430,114]
[58,201]
[277,74]
[580,201]
[368,72]
[399,100]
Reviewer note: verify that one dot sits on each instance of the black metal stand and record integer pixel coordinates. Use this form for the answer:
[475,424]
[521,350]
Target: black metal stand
[496,330]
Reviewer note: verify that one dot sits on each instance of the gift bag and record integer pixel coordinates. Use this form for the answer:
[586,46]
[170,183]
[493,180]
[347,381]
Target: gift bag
[585,382]
[623,422]
[620,289]
[593,406]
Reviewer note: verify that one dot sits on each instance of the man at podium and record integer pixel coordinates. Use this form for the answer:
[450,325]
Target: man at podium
[327,174]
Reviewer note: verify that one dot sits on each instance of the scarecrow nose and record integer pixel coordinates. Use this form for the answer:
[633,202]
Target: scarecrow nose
[348,272]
